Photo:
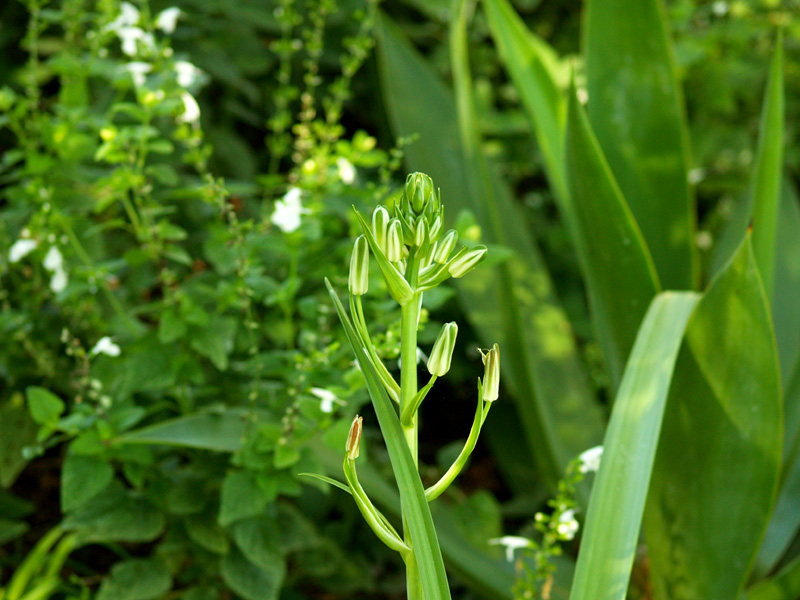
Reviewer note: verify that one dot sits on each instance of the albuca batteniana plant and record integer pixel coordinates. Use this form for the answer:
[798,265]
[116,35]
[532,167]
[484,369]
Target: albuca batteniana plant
[414,255]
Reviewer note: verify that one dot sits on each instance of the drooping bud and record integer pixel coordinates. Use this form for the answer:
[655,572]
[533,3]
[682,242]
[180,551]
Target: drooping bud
[359,267]
[445,247]
[354,438]
[421,231]
[419,188]
[464,262]
[439,361]
[394,241]
[491,374]
[380,226]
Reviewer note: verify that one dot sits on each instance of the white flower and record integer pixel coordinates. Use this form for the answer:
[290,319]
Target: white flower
[347,172]
[287,211]
[128,17]
[53,261]
[130,36]
[58,281]
[105,346]
[20,249]
[167,19]
[327,398]
[590,459]
[567,524]
[720,8]
[186,73]
[138,70]
[511,542]
[191,110]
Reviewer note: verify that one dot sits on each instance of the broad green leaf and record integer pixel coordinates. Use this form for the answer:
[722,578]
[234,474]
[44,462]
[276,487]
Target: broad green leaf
[45,406]
[19,430]
[529,61]
[250,581]
[619,273]
[215,341]
[719,456]
[512,303]
[207,533]
[242,497]
[82,477]
[637,112]
[136,579]
[618,496]
[785,585]
[416,512]
[765,190]
[219,432]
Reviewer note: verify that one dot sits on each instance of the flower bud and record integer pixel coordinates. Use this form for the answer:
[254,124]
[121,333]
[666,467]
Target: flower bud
[380,225]
[439,361]
[394,241]
[354,438]
[491,374]
[466,261]
[445,247]
[420,232]
[435,228]
[359,267]
[419,188]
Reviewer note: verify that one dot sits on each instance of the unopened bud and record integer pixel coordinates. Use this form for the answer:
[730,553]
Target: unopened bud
[439,361]
[419,188]
[394,241]
[421,232]
[354,438]
[491,374]
[380,226]
[359,267]
[466,261]
[445,247]
[435,228]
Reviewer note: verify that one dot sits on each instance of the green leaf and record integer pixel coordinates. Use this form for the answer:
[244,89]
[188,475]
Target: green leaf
[242,497]
[719,456]
[252,582]
[82,477]
[785,585]
[215,431]
[136,579]
[19,430]
[259,539]
[618,497]
[619,273]
[45,407]
[637,112]
[529,61]
[215,341]
[765,186]
[206,533]
[416,511]
[512,303]
[171,327]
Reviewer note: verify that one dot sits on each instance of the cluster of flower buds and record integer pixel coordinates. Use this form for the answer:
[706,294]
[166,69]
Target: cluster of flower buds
[412,251]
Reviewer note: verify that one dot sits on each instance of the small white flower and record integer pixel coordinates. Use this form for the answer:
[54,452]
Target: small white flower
[105,346]
[286,215]
[590,459]
[58,281]
[511,543]
[138,71]
[327,399]
[128,17]
[186,73]
[347,172]
[53,261]
[567,525]
[191,110]
[131,36]
[167,19]
[720,8]
[20,249]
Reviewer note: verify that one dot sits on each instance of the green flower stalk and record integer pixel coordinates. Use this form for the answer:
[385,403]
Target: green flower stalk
[412,259]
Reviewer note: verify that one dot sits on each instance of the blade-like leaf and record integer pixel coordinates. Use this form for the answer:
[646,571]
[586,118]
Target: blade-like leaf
[219,432]
[783,586]
[765,190]
[416,512]
[718,462]
[618,496]
[637,112]
[528,60]
[619,273]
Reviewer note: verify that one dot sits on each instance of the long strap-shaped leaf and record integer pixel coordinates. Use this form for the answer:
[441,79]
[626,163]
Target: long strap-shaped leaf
[412,495]
[637,111]
[618,497]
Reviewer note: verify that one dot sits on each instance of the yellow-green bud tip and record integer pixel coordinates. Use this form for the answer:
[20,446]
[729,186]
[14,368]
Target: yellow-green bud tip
[491,374]
[439,361]
[394,241]
[445,247]
[380,226]
[354,438]
[466,261]
[359,267]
